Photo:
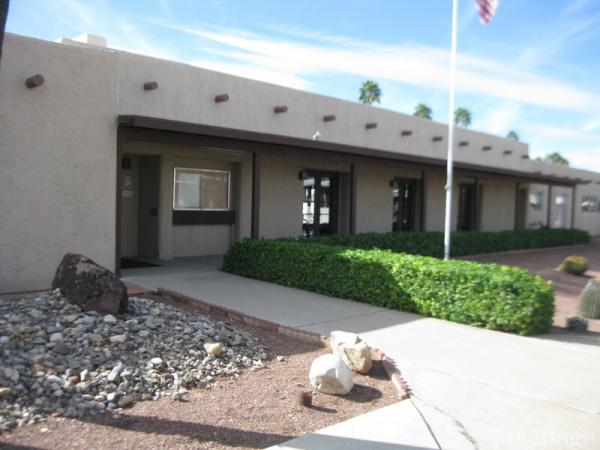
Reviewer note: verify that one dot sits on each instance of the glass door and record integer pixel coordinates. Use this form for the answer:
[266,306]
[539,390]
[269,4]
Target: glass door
[405,204]
[320,204]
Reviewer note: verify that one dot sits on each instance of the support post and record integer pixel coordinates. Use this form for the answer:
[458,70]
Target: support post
[255,226]
[573,206]
[517,195]
[549,212]
[449,166]
[476,205]
[423,199]
[352,209]
[118,200]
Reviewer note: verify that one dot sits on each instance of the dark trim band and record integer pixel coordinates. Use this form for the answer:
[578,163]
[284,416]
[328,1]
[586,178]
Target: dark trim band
[203,217]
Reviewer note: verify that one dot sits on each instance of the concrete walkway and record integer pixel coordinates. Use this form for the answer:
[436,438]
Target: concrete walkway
[473,388]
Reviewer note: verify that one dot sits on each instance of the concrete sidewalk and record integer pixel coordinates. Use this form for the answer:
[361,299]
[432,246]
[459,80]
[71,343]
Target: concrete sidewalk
[472,388]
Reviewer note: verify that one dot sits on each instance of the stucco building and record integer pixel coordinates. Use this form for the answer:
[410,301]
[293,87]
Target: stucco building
[117,155]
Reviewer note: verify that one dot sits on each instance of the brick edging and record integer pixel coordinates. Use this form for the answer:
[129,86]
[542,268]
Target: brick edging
[389,365]
[402,388]
[307,336]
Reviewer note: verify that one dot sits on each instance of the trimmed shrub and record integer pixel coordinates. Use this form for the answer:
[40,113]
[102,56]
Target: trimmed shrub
[575,265]
[464,243]
[496,297]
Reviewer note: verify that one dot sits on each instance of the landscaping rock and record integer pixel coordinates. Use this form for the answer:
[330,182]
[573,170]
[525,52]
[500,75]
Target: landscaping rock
[353,351]
[342,337]
[576,323]
[89,285]
[85,374]
[357,356]
[330,374]
[213,348]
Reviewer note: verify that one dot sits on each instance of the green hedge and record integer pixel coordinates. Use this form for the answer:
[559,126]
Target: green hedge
[496,297]
[464,243]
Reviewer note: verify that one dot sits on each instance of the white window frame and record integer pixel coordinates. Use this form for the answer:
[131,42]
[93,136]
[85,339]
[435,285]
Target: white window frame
[539,205]
[192,169]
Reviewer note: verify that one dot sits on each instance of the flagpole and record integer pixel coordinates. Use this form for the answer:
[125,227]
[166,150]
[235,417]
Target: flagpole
[449,167]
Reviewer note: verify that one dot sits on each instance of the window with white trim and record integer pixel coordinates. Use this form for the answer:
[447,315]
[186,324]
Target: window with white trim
[536,200]
[590,203]
[201,189]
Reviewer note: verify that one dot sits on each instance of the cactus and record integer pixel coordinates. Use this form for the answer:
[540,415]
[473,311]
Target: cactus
[589,305]
[575,265]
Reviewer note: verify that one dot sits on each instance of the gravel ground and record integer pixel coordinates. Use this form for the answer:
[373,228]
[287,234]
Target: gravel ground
[258,409]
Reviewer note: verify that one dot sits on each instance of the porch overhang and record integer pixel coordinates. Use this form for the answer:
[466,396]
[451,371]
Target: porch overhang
[230,138]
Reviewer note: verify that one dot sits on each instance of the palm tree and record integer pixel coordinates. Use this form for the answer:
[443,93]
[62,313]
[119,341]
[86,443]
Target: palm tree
[462,117]
[512,134]
[555,158]
[370,92]
[3,16]
[423,111]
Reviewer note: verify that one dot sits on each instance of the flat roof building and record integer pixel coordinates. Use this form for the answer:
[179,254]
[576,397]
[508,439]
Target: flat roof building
[112,154]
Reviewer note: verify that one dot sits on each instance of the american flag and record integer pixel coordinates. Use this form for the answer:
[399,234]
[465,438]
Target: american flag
[487,9]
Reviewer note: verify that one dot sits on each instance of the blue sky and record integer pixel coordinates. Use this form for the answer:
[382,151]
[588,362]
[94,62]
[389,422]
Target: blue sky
[534,69]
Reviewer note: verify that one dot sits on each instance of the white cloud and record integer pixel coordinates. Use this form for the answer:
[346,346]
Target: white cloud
[500,119]
[408,63]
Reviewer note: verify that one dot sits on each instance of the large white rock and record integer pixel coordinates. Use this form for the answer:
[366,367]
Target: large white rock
[353,351]
[342,337]
[330,375]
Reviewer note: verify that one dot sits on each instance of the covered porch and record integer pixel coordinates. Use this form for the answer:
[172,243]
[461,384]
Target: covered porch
[187,190]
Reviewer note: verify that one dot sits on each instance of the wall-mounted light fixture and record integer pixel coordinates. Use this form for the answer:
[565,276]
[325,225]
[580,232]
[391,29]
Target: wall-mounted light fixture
[280,109]
[221,98]
[329,118]
[463,143]
[437,138]
[524,156]
[486,148]
[406,132]
[371,125]
[507,152]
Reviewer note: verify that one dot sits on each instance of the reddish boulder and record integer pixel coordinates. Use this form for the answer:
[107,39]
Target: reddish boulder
[89,285]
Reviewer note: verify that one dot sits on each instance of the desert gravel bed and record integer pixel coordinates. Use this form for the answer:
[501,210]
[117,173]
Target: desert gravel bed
[56,359]
[255,410]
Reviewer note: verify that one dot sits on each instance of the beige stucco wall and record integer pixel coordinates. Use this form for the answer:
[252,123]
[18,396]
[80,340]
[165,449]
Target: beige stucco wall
[57,160]
[58,154]
[498,204]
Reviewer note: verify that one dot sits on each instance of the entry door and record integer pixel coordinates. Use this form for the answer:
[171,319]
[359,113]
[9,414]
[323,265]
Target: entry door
[468,207]
[521,209]
[405,204]
[148,206]
[320,204]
